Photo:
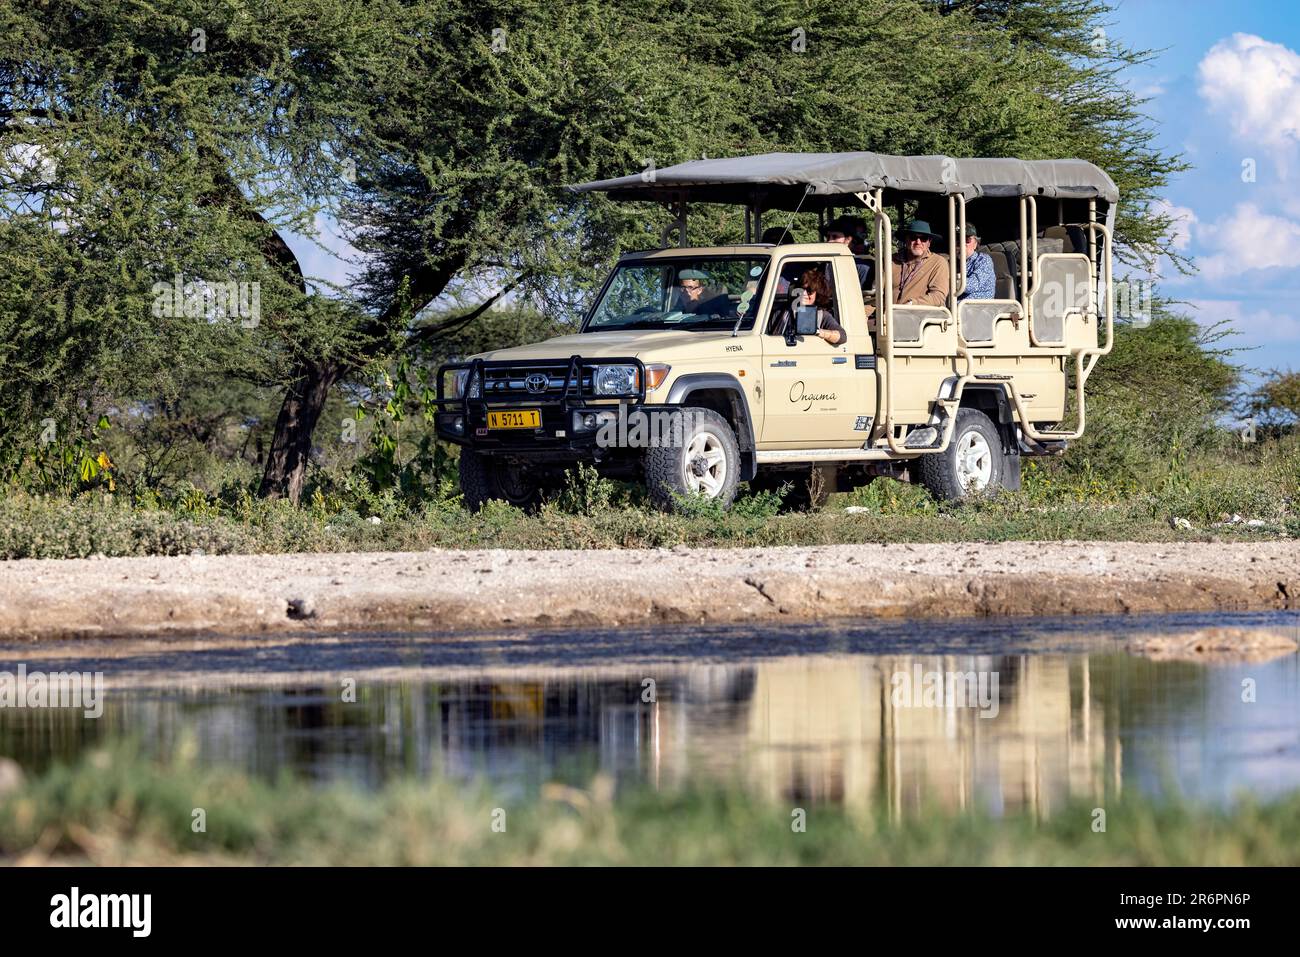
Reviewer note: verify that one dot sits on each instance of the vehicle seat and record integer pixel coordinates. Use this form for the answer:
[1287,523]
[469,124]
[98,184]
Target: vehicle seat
[1063,234]
[1005,287]
[1011,249]
[1049,243]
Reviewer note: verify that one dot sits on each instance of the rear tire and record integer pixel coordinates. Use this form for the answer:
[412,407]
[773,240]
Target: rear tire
[973,464]
[706,463]
[484,478]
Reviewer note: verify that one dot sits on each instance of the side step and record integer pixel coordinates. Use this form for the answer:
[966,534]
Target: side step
[794,456]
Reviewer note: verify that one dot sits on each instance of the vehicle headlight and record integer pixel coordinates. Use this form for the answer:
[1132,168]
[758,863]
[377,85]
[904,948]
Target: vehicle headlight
[615,380]
[458,380]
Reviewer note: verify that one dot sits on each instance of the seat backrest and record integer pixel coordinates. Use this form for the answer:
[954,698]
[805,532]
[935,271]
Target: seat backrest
[1054,244]
[1002,274]
[1061,233]
[1011,249]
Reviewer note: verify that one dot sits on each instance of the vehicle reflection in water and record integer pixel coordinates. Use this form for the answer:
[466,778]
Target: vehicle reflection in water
[801,729]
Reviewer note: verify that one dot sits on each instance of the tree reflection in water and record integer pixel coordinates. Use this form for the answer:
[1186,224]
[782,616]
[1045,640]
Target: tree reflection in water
[800,730]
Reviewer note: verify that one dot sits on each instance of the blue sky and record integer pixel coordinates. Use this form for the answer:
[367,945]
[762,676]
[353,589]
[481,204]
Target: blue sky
[1224,92]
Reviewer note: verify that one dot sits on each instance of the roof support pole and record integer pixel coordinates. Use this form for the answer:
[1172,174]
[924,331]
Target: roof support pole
[1024,256]
[1092,233]
[678,208]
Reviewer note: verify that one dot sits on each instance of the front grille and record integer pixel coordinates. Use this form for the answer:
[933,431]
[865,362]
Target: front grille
[511,382]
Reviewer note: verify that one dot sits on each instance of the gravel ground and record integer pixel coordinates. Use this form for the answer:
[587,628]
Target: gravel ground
[493,589]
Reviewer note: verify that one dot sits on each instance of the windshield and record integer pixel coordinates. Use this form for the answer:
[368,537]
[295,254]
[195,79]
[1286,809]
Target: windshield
[703,292]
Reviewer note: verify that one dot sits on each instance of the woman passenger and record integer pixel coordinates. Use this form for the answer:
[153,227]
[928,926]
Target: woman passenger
[813,292]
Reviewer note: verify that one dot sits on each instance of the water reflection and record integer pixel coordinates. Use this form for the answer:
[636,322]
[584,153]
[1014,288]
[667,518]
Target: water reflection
[799,729]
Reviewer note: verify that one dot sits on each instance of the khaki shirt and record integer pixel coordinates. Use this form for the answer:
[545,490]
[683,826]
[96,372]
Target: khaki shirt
[921,282]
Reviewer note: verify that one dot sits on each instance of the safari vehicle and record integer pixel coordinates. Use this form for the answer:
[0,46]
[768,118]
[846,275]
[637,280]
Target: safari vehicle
[677,376]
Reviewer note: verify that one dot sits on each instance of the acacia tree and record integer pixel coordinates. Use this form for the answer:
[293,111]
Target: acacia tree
[143,149]
[1276,401]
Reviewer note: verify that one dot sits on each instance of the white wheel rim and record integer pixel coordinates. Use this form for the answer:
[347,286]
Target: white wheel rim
[705,465]
[974,462]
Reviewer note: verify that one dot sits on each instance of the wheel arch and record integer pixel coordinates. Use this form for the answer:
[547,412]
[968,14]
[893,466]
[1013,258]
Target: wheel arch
[722,393]
[992,401]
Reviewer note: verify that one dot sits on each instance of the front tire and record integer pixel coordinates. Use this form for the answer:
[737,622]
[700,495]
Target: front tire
[484,478]
[973,464]
[707,462]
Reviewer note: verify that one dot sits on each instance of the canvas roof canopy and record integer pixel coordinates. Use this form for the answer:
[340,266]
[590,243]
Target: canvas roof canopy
[808,180]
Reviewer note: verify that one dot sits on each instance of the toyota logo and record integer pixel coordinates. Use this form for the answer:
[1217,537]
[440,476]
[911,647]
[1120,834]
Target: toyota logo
[535,383]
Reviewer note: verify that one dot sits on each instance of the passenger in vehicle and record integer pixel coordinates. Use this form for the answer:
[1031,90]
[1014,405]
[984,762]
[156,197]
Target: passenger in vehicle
[981,280]
[920,275]
[812,292]
[851,231]
[778,236]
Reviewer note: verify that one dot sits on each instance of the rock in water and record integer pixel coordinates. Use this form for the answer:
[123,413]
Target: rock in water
[1214,644]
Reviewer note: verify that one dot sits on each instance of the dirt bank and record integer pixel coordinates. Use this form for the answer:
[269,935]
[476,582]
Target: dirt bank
[447,590]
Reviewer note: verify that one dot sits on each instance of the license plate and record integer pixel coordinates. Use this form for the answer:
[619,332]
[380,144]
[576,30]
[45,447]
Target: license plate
[515,419]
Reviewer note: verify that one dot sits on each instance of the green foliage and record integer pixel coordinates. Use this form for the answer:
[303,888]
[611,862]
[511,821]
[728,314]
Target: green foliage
[1258,483]
[585,492]
[114,807]
[1161,390]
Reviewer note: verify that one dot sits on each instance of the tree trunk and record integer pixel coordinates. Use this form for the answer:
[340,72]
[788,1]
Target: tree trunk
[286,464]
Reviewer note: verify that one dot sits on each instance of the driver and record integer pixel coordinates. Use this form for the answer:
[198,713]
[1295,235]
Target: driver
[692,294]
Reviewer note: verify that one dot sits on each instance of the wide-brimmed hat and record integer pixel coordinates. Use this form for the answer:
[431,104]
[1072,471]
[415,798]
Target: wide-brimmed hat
[921,228]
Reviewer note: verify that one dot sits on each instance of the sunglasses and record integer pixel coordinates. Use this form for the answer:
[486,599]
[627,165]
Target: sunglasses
[913,238]
[835,236]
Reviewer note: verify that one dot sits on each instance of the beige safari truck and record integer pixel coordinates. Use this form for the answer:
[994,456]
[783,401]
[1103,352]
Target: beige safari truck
[696,369]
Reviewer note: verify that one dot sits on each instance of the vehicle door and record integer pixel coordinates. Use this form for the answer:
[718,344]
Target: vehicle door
[810,390]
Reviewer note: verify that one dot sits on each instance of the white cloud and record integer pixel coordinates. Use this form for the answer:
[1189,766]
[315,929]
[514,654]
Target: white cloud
[1183,220]
[1256,83]
[1182,217]
[1246,239]
[1279,330]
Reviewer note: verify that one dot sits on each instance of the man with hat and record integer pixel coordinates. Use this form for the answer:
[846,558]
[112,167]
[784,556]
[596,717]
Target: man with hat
[920,276]
[690,289]
[981,280]
[851,231]
[694,296]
